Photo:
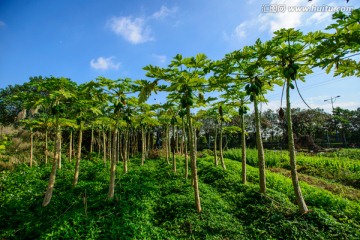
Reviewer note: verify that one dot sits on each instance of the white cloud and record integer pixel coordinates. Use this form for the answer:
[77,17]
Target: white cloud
[240,31]
[295,14]
[284,19]
[103,63]
[318,17]
[136,30]
[2,24]
[160,58]
[133,30]
[164,12]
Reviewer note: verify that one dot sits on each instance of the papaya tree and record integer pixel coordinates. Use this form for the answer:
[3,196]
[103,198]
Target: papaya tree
[86,106]
[146,120]
[185,76]
[247,66]
[116,91]
[182,114]
[235,96]
[55,93]
[291,61]
[243,109]
[212,117]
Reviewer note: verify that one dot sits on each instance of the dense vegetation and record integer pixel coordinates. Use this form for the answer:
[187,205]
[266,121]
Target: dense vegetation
[152,202]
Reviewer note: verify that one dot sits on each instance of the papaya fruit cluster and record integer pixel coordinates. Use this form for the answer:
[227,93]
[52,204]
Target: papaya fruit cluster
[187,97]
[291,70]
[57,109]
[119,105]
[243,110]
[254,88]
[127,116]
[173,121]
[221,113]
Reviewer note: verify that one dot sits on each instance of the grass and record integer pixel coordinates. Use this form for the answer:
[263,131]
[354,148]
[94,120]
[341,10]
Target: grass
[152,202]
[342,167]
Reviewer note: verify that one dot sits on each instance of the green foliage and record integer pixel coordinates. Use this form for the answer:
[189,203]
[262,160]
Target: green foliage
[152,202]
[342,166]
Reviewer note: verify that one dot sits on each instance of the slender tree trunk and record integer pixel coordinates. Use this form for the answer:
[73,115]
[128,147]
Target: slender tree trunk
[70,145]
[173,148]
[149,142]
[73,145]
[221,147]
[119,147]
[182,144]
[99,143]
[135,143]
[195,140]
[260,149]
[185,150]
[104,148]
[146,145]
[143,145]
[243,149]
[92,141]
[109,145]
[167,144]
[177,140]
[126,143]
[294,177]
[46,147]
[78,157]
[216,162]
[31,146]
[193,162]
[113,164]
[59,158]
[50,187]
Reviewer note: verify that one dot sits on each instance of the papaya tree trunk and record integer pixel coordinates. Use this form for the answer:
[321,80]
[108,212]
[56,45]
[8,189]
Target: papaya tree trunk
[46,147]
[260,148]
[185,150]
[193,162]
[126,144]
[243,150]
[173,148]
[99,143]
[78,157]
[167,144]
[109,145]
[31,146]
[113,164]
[221,146]
[119,153]
[92,141]
[70,145]
[177,140]
[294,177]
[149,143]
[104,148]
[50,187]
[216,162]
[143,145]
[60,149]
[146,139]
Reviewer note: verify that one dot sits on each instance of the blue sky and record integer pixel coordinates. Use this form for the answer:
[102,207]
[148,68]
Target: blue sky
[83,39]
